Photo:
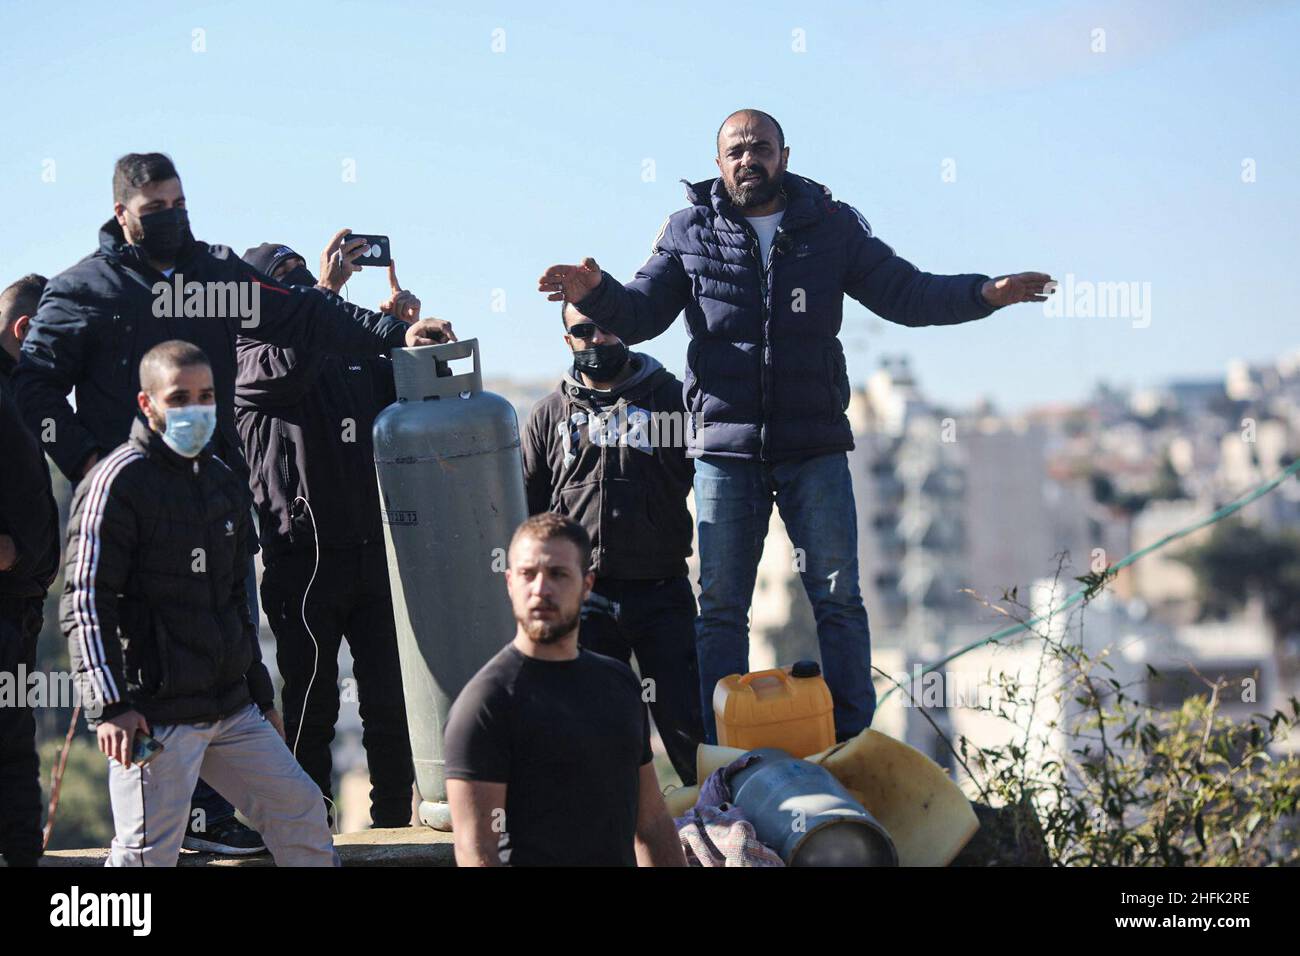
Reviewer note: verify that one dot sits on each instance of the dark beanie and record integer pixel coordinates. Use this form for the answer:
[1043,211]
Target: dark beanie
[268,255]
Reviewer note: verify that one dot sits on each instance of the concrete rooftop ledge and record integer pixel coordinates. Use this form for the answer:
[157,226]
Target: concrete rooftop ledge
[402,846]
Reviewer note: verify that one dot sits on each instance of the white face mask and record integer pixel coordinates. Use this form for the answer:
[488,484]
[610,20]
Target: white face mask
[189,428]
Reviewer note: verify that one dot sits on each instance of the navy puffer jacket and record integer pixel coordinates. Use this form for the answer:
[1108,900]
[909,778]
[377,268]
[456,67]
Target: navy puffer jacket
[765,375]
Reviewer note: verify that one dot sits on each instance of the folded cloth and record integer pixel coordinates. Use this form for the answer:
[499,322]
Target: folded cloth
[721,836]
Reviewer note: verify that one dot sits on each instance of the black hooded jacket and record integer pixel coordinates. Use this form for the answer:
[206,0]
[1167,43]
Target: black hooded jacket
[306,421]
[616,463]
[305,418]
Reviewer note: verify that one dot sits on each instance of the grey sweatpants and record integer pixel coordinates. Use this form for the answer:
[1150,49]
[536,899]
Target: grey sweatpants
[245,760]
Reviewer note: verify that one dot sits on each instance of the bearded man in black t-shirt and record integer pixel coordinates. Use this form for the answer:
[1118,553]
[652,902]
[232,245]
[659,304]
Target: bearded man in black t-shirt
[547,752]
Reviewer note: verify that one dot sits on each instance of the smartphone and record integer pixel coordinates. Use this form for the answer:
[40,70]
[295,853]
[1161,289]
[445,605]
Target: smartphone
[378,254]
[144,748]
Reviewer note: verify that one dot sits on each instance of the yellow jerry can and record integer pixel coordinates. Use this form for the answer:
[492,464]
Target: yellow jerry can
[788,708]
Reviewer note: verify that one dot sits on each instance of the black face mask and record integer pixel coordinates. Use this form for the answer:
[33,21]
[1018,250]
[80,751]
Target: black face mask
[300,275]
[601,363]
[164,233]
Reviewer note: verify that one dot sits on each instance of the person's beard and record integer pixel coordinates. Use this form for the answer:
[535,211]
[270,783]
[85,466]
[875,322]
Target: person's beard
[749,195]
[549,632]
[156,422]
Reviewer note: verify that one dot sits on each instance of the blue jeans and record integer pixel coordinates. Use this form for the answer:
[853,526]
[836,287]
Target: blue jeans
[215,807]
[733,502]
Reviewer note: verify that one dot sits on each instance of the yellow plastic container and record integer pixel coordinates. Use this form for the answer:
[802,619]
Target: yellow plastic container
[788,708]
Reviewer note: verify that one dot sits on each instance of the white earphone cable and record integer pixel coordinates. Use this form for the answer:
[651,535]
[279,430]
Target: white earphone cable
[315,667]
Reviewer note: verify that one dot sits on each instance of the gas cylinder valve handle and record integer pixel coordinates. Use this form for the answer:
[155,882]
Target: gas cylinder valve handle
[415,371]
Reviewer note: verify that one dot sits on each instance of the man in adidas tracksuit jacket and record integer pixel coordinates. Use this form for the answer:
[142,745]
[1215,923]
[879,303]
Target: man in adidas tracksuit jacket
[160,635]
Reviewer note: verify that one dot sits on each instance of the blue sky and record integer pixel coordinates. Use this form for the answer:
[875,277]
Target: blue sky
[484,167]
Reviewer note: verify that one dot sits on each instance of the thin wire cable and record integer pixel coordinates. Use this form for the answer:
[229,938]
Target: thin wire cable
[1076,597]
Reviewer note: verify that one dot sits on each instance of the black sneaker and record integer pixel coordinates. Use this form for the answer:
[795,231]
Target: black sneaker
[226,837]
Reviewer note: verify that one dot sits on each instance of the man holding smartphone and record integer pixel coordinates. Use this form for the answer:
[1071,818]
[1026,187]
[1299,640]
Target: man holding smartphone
[306,419]
[160,634]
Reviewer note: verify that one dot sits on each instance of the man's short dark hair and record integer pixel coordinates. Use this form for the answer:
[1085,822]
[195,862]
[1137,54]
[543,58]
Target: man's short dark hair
[20,298]
[168,356]
[780,133]
[135,170]
[549,526]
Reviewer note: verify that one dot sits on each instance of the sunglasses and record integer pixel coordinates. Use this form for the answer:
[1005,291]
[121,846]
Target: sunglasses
[583,330]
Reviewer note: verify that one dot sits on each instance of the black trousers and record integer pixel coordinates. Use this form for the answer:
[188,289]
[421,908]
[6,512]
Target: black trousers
[348,599]
[20,773]
[656,621]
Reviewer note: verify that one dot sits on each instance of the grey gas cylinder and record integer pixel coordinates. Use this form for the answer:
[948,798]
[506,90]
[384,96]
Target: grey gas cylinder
[806,815]
[452,492]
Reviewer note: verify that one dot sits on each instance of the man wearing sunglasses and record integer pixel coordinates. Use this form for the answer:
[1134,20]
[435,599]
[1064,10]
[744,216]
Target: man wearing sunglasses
[761,261]
[607,449]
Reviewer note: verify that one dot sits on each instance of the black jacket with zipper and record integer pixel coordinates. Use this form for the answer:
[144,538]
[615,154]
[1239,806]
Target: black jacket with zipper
[306,422]
[97,319]
[28,512]
[154,604]
[624,478]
